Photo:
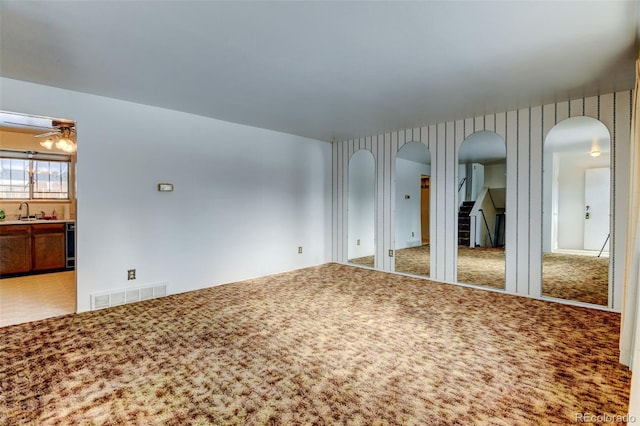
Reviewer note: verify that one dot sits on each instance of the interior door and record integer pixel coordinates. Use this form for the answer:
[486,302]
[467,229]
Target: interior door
[597,208]
[424,207]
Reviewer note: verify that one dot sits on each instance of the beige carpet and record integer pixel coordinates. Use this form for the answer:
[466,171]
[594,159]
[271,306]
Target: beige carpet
[481,266]
[332,344]
[565,276]
[576,277]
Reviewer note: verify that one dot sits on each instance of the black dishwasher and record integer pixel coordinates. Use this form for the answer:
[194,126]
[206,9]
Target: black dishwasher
[70,245]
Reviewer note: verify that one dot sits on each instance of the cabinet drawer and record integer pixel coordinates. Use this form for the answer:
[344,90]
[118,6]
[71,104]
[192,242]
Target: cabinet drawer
[47,228]
[15,229]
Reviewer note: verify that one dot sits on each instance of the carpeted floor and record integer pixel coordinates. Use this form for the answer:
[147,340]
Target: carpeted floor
[565,276]
[332,344]
[481,266]
[414,260]
[576,277]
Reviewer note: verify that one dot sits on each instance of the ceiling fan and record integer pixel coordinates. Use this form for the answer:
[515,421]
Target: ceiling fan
[62,136]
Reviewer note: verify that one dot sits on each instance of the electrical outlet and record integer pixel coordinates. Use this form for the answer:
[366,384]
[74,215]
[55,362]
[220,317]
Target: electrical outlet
[300,249]
[131,274]
[358,242]
[412,234]
[390,253]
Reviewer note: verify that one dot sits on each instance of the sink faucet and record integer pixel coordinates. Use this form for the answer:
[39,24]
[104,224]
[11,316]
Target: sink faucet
[20,208]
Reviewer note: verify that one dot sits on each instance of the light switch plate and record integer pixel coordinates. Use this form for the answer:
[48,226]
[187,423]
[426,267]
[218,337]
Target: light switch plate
[165,187]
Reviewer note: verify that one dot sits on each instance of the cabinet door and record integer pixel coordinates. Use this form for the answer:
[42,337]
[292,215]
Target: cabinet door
[15,253]
[48,251]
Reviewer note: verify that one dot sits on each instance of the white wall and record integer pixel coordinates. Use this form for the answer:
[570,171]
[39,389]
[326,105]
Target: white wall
[495,175]
[362,171]
[244,200]
[477,180]
[474,183]
[408,211]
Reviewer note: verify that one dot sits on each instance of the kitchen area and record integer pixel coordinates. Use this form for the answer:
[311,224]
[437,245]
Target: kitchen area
[36,245]
[37,218]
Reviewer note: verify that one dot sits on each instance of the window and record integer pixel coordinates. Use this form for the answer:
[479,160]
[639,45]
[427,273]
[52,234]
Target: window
[34,176]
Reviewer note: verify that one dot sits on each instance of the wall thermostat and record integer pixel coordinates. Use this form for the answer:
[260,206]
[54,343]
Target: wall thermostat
[165,187]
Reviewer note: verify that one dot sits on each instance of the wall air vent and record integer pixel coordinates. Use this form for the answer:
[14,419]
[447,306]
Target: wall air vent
[108,299]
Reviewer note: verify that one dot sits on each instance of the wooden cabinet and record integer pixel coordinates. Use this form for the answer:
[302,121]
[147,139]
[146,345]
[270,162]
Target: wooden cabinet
[15,249]
[47,246]
[31,247]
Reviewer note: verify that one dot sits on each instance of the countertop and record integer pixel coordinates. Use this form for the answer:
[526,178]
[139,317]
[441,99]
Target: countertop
[34,222]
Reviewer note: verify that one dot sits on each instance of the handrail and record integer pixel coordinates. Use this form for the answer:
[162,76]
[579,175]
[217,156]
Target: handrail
[487,226]
[604,245]
[464,179]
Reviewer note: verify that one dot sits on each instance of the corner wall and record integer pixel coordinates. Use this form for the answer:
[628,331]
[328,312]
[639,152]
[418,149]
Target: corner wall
[524,131]
[245,198]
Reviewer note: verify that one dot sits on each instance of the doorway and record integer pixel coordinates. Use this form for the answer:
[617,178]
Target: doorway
[37,195]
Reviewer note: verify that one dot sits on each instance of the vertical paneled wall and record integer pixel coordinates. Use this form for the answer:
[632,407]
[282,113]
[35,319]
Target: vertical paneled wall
[523,131]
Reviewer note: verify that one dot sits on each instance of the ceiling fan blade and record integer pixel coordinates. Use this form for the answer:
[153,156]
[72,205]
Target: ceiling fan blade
[33,126]
[46,135]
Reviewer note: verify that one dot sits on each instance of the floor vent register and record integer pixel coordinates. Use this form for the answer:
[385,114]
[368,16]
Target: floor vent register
[129,295]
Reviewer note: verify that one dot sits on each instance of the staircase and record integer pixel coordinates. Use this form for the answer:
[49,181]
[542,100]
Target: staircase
[464,223]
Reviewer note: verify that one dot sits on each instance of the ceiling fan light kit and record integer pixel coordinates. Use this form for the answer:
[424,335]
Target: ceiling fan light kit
[47,143]
[62,137]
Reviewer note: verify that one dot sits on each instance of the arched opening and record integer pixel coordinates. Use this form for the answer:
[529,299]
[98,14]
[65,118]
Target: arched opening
[361,209]
[413,209]
[482,185]
[577,211]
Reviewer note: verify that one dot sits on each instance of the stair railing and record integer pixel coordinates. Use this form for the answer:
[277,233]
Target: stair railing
[604,245]
[484,218]
[464,179]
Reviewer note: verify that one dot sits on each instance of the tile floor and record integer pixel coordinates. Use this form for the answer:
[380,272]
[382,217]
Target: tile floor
[36,297]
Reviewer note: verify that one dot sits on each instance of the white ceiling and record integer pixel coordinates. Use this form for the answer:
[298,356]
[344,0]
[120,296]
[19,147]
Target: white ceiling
[329,69]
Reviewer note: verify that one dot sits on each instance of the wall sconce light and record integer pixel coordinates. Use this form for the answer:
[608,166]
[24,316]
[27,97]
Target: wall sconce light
[594,153]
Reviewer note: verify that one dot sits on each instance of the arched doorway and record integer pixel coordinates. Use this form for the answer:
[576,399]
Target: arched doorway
[576,211]
[482,162]
[361,209]
[413,209]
